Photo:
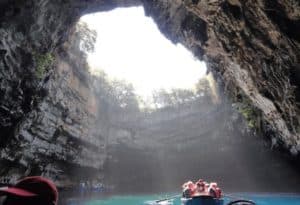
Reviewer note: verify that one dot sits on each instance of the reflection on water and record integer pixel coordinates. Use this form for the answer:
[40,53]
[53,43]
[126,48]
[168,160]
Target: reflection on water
[260,199]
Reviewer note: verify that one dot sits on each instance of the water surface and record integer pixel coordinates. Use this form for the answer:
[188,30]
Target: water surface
[260,199]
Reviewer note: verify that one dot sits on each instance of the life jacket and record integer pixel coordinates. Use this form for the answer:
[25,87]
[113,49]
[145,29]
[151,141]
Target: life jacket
[206,188]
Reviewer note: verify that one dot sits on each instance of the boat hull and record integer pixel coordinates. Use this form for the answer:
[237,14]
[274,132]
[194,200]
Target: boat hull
[201,200]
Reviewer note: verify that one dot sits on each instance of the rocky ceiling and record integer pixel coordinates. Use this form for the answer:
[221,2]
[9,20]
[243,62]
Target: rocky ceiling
[251,46]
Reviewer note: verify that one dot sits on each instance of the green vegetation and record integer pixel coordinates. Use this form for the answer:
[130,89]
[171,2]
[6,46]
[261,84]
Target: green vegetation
[249,112]
[176,96]
[249,115]
[43,62]
[118,94]
[163,98]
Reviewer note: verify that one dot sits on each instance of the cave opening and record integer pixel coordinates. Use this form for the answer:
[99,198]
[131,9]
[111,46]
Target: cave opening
[129,47]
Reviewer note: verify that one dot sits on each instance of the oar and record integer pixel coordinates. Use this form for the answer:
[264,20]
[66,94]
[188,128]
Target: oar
[238,200]
[172,197]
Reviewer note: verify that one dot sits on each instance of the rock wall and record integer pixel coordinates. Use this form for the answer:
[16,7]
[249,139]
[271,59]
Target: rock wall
[50,120]
[28,29]
[47,109]
[65,134]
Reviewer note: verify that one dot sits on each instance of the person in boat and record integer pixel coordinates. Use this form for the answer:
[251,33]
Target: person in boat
[33,190]
[200,188]
[219,192]
[214,190]
[206,188]
[188,189]
[185,191]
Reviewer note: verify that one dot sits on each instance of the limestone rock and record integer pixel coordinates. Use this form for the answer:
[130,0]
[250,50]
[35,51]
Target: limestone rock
[48,107]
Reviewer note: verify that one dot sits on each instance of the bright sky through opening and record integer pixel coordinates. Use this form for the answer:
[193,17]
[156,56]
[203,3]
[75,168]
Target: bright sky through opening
[129,46]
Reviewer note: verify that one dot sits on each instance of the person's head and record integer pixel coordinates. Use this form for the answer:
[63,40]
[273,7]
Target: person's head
[200,181]
[33,190]
[200,186]
[190,184]
[214,184]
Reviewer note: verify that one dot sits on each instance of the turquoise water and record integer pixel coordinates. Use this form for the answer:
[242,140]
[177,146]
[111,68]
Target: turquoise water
[260,199]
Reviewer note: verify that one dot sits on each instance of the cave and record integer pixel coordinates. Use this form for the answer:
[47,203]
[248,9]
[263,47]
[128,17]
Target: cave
[249,47]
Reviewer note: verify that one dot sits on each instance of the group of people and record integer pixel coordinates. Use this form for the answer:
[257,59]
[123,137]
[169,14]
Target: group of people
[201,188]
[88,187]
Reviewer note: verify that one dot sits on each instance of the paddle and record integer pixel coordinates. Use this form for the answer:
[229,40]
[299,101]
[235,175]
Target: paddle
[238,200]
[165,199]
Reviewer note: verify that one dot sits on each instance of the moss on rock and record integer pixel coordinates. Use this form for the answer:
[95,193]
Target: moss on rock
[43,62]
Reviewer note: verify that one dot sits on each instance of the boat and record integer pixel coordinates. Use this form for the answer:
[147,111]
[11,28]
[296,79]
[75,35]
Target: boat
[208,200]
[203,193]
[201,200]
